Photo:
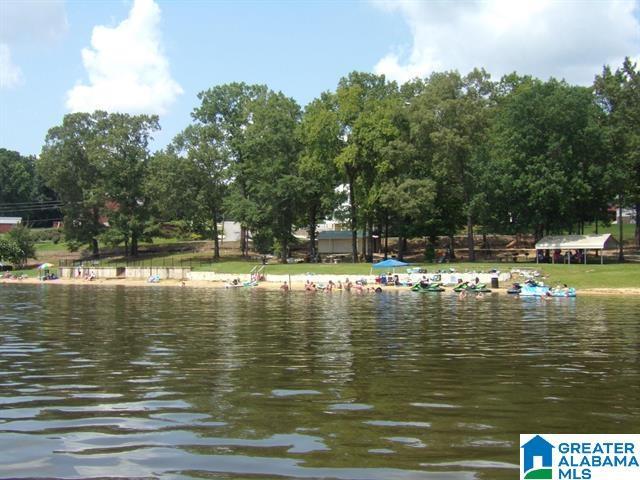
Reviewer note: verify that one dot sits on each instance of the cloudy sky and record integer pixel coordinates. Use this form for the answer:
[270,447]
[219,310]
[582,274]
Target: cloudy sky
[146,56]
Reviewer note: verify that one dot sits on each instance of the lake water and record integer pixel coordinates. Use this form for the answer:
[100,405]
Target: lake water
[228,384]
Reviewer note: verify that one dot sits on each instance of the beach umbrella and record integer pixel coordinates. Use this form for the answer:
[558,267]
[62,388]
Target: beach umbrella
[45,266]
[390,263]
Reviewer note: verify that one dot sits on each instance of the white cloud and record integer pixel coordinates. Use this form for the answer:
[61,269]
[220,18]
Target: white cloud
[10,74]
[569,39]
[128,72]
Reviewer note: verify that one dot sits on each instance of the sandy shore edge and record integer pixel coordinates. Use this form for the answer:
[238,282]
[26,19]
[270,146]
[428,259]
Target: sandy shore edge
[296,286]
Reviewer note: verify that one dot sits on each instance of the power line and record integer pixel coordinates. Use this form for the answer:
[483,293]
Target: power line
[32,209]
[20,204]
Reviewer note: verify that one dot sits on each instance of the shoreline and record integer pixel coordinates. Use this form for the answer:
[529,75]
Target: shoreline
[272,286]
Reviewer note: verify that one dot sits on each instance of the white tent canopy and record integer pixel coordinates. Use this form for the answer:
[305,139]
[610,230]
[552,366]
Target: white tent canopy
[578,242]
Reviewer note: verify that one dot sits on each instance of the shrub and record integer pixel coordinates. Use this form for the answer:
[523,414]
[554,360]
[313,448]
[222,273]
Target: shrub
[10,251]
[46,235]
[22,237]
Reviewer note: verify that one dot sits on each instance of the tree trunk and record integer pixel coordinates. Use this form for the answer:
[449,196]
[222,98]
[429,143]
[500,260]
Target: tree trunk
[216,240]
[370,241]
[400,248]
[638,225]
[243,241]
[470,242]
[386,236]
[313,225]
[284,242]
[354,231]
[620,224]
[134,244]
[95,249]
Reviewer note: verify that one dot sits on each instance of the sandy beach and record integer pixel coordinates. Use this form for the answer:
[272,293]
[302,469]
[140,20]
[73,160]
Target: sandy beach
[265,285]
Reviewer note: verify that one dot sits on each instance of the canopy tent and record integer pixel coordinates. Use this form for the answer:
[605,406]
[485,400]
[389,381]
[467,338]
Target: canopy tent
[390,263]
[577,242]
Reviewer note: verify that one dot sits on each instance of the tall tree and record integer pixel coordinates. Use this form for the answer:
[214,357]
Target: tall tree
[271,169]
[358,95]
[618,95]
[227,110]
[121,155]
[546,158]
[452,115]
[200,147]
[66,163]
[319,134]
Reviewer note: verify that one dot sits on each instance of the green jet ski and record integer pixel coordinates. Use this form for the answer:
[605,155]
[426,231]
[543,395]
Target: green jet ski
[427,287]
[471,287]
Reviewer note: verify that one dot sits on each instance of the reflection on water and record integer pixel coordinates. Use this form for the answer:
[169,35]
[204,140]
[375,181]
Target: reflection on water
[177,383]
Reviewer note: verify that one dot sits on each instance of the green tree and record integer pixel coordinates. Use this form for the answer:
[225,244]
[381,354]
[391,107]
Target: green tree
[96,163]
[10,252]
[548,168]
[121,153]
[204,163]
[67,165]
[271,169]
[228,111]
[618,95]
[358,97]
[17,174]
[22,191]
[22,238]
[451,117]
[319,134]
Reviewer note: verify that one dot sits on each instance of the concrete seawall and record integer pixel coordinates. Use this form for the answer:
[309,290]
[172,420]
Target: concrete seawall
[178,273]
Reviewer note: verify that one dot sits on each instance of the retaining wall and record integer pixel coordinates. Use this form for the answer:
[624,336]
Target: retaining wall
[96,272]
[175,273]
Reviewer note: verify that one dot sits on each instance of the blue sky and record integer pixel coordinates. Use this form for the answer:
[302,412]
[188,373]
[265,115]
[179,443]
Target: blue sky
[155,56]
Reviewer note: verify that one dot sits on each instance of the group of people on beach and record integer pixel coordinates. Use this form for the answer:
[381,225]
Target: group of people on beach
[89,275]
[347,286]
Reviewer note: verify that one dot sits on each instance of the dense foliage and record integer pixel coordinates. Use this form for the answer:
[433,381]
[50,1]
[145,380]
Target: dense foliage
[424,159]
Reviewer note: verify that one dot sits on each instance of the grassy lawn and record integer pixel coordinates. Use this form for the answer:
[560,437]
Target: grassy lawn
[628,230]
[579,276]
[626,275]
[44,248]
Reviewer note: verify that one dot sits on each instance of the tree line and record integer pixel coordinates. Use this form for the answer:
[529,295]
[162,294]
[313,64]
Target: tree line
[423,159]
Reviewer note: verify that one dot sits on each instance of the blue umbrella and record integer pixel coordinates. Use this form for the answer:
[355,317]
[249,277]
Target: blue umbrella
[390,263]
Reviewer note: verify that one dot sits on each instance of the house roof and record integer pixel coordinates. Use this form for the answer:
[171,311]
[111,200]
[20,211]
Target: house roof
[11,220]
[337,235]
[577,242]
